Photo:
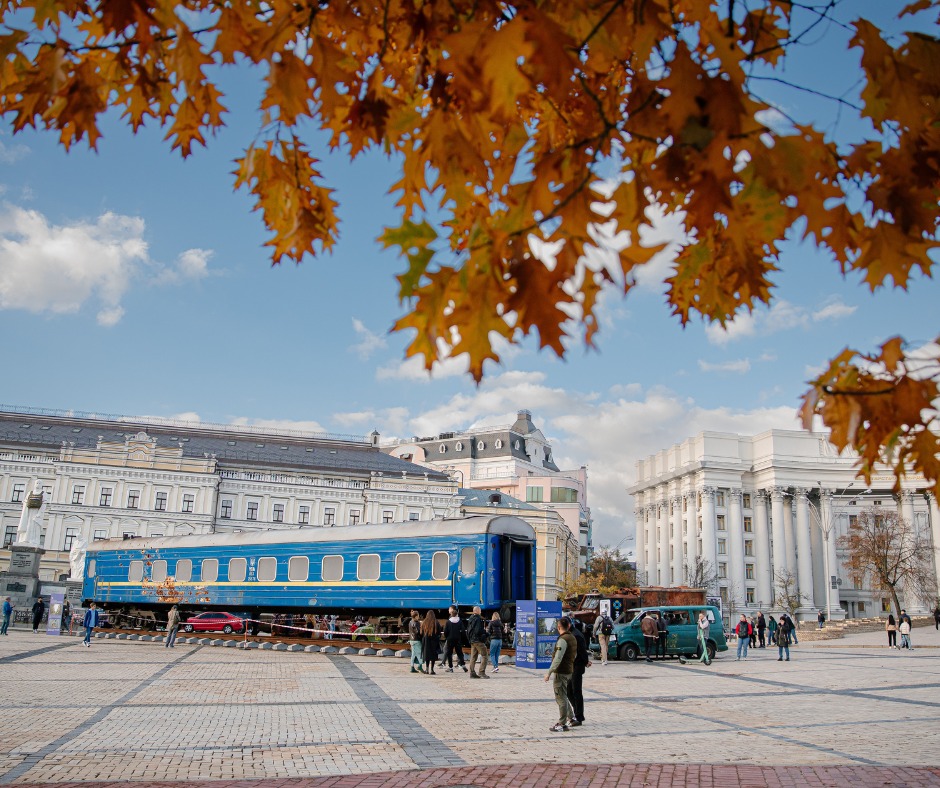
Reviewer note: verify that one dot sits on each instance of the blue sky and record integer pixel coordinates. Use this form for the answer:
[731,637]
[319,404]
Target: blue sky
[134,282]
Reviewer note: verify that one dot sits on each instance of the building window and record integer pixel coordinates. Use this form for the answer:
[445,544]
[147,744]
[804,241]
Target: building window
[70,535]
[188,502]
[853,520]
[719,498]
[749,571]
[329,516]
[9,535]
[722,547]
[685,504]
[78,493]
[100,534]
[354,515]
[748,547]
[861,607]
[442,448]
[749,595]
[303,515]
[885,605]
[747,500]
[748,525]
[226,513]
[414,516]
[721,522]
[18,491]
[498,444]
[722,571]
[387,516]
[105,498]
[129,535]
[278,513]
[160,503]
[133,499]
[564,495]
[252,511]
[534,494]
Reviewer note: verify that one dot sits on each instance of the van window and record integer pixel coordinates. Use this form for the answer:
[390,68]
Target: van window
[677,617]
[332,570]
[468,561]
[237,570]
[710,614]
[440,563]
[267,569]
[210,570]
[184,570]
[158,571]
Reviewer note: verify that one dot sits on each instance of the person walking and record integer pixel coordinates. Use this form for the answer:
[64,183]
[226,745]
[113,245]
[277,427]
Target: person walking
[752,628]
[430,641]
[603,629]
[772,631]
[904,617]
[39,610]
[936,617]
[704,627]
[761,629]
[662,629]
[454,631]
[790,627]
[90,622]
[566,651]
[650,629]
[172,627]
[7,612]
[66,618]
[742,630]
[575,685]
[905,629]
[476,631]
[892,629]
[783,643]
[414,641]
[495,631]
[821,619]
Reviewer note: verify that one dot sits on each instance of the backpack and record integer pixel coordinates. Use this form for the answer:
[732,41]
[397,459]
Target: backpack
[607,626]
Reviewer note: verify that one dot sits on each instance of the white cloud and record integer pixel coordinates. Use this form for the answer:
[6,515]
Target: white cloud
[834,310]
[49,268]
[369,342]
[9,154]
[743,325]
[740,366]
[413,369]
[781,316]
[278,424]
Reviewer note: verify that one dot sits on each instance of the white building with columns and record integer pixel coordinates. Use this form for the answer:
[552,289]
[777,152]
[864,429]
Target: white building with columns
[760,507]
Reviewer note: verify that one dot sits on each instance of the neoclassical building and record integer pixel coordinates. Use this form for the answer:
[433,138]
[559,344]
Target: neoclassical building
[515,459]
[107,477]
[757,508]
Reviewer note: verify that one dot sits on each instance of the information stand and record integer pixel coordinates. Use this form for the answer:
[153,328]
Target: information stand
[536,628]
[54,622]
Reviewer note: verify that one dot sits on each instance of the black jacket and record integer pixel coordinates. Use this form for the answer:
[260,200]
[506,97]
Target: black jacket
[476,629]
[581,660]
[453,631]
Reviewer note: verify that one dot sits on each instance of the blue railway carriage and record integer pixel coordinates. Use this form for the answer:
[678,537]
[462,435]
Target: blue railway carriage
[370,569]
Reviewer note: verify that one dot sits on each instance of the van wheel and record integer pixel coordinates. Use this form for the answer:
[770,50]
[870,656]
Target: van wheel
[629,652]
[711,650]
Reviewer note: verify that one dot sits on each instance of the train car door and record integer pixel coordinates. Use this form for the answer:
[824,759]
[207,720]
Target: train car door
[468,578]
[516,569]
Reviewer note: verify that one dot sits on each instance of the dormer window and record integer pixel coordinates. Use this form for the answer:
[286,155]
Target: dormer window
[499,443]
[442,448]
[481,445]
[459,446]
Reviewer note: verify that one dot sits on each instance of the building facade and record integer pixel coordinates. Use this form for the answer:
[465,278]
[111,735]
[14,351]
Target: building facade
[108,477]
[766,509]
[516,460]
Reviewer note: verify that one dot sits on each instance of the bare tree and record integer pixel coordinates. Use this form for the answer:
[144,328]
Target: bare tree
[786,592]
[893,551]
[701,574]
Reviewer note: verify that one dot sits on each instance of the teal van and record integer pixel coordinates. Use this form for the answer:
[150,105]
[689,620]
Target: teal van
[683,631]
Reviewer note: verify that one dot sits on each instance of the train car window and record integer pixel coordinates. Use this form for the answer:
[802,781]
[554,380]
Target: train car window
[440,565]
[368,567]
[298,569]
[407,566]
[184,570]
[158,571]
[468,560]
[92,567]
[135,573]
[267,569]
[237,570]
[332,569]
[210,570]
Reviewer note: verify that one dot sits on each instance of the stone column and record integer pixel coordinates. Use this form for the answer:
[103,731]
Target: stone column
[907,506]
[639,549]
[790,554]
[934,514]
[736,546]
[762,548]
[678,553]
[804,550]
[778,529]
[830,534]
[652,563]
[662,522]
[709,528]
[691,553]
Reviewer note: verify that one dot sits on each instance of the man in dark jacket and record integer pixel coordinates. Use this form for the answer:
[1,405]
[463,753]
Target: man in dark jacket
[650,630]
[39,610]
[761,629]
[663,629]
[566,650]
[575,690]
[476,632]
[453,636]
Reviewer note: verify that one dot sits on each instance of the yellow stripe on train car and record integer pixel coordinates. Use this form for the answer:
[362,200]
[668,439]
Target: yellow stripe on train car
[282,584]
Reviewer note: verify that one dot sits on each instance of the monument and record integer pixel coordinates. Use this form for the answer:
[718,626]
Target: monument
[21,581]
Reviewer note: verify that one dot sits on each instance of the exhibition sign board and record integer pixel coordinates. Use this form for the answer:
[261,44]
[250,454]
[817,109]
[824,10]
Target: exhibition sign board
[536,628]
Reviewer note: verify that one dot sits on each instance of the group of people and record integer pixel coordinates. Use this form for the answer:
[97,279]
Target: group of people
[655,629]
[902,625]
[485,639]
[758,632]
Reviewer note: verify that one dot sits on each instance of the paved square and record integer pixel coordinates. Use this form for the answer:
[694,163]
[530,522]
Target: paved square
[124,710]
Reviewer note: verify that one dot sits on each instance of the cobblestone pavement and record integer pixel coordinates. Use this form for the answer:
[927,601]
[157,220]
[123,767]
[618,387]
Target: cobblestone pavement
[848,712]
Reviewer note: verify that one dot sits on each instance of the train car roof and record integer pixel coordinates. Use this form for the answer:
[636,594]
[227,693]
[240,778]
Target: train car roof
[459,526]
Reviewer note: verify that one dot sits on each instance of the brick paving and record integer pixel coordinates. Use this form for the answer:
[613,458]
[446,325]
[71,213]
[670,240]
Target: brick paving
[124,711]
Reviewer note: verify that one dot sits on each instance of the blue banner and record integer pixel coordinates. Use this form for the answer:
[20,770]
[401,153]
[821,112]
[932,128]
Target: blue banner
[54,622]
[537,631]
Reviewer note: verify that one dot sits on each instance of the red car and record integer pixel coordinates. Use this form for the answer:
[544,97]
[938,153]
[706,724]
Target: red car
[214,622]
